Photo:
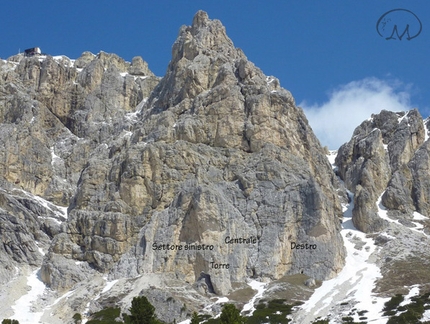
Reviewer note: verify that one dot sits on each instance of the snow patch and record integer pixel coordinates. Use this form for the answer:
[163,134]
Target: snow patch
[418,226]
[54,157]
[57,210]
[354,283]
[64,60]
[426,315]
[187,321]
[66,295]
[86,312]
[426,131]
[41,58]
[415,290]
[125,74]
[23,308]
[399,119]
[388,235]
[219,300]
[109,285]
[40,249]
[382,211]
[332,157]
[260,287]
[269,80]
[418,216]
[133,116]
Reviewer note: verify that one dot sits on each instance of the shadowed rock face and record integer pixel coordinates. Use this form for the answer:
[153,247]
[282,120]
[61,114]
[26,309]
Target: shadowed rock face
[387,156]
[55,115]
[214,149]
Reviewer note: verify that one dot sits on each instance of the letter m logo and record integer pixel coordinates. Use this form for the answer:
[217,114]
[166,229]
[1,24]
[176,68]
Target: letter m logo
[406,31]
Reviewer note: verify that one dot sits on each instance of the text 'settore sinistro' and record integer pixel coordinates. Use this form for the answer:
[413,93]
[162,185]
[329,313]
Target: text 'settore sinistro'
[228,240]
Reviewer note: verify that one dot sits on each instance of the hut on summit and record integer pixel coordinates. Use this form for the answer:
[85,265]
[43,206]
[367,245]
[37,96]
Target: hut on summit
[32,51]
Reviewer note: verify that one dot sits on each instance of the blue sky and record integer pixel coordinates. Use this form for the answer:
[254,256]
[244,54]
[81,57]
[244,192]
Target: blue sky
[322,51]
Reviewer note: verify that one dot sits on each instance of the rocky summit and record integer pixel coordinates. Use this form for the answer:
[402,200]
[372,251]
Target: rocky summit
[386,161]
[116,183]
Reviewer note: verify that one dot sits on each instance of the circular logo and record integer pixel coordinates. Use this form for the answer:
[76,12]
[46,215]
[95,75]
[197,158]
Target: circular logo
[398,23]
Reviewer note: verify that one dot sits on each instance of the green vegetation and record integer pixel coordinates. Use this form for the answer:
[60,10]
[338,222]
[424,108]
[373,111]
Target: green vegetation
[275,311]
[267,311]
[231,315]
[412,312]
[195,319]
[202,318]
[361,313]
[320,321]
[9,321]
[350,320]
[77,318]
[141,312]
[213,321]
[391,305]
[105,316]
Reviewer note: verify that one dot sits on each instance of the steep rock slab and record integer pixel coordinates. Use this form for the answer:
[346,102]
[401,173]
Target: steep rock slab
[386,155]
[55,111]
[44,100]
[220,152]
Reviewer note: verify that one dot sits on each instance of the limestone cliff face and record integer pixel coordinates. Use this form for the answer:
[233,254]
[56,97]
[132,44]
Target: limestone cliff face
[213,151]
[50,126]
[219,150]
[387,156]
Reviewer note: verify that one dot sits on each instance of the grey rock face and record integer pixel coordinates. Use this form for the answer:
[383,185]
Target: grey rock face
[386,156]
[219,150]
[26,229]
[408,189]
[40,155]
[214,151]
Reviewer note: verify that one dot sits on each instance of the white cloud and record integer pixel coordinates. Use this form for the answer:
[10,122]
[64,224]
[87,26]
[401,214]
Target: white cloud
[334,121]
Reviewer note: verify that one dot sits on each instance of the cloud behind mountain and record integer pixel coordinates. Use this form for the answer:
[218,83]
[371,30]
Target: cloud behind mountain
[348,105]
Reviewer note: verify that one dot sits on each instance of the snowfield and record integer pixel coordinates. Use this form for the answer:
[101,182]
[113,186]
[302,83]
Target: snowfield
[354,284]
[260,287]
[23,307]
[352,288]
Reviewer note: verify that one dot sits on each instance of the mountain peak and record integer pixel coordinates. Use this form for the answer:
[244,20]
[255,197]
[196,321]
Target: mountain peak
[214,160]
[201,19]
[204,36]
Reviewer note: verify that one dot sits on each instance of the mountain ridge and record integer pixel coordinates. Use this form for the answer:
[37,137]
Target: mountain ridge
[214,149]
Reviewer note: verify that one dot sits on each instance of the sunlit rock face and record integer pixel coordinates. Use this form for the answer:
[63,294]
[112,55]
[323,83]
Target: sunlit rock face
[210,175]
[388,156]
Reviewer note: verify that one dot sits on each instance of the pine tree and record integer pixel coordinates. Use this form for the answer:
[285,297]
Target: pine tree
[195,319]
[141,312]
[9,321]
[231,315]
[77,318]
